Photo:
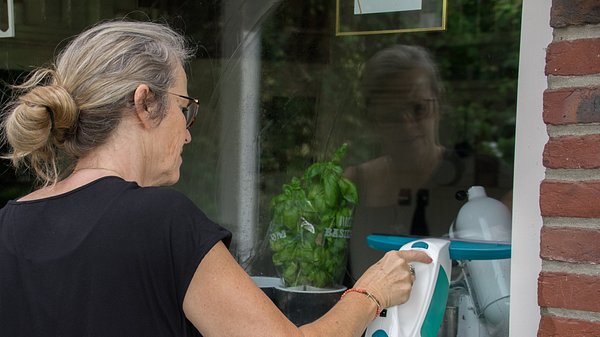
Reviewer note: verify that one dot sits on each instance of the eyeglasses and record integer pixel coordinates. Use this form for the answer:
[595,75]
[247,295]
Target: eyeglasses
[397,110]
[190,111]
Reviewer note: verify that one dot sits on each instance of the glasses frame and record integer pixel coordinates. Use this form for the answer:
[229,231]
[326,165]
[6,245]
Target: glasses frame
[190,117]
[408,113]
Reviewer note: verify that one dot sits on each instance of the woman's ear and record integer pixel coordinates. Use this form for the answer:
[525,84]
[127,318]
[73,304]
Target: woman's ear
[142,100]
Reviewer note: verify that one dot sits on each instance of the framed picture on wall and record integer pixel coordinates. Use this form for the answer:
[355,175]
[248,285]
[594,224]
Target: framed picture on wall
[369,17]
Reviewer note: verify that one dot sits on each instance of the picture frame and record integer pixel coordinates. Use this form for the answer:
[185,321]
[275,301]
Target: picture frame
[7,19]
[370,17]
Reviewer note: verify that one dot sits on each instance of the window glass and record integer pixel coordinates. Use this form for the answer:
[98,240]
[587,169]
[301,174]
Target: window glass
[424,114]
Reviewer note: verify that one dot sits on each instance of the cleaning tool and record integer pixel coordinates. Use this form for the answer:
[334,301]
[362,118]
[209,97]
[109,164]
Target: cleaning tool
[423,313]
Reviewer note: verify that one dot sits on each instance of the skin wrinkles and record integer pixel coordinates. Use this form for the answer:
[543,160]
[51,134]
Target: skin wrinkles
[167,137]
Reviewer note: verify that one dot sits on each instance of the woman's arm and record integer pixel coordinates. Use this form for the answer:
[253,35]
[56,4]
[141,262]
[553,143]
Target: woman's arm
[222,300]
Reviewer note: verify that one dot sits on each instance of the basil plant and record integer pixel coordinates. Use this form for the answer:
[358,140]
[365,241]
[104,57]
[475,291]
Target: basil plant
[312,223]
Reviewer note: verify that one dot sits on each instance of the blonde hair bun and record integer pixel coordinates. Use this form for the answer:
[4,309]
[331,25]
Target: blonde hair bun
[51,106]
[39,120]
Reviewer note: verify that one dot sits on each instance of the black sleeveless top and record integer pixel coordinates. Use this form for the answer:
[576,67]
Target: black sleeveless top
[108,259]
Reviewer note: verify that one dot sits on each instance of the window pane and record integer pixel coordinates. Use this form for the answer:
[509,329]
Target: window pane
[424,114]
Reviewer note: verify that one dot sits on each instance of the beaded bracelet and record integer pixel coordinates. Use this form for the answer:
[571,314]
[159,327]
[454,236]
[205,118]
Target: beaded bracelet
[368,294]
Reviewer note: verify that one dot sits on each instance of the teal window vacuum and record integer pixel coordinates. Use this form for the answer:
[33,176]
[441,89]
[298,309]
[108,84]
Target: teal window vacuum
[479,240]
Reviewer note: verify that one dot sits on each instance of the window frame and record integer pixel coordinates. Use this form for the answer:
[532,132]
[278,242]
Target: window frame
[531,136]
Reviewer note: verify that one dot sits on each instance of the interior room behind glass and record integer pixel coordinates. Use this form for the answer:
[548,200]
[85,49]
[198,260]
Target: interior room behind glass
[279,90]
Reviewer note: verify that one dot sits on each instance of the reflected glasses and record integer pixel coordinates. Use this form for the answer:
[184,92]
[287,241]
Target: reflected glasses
[190,111]
[398,110]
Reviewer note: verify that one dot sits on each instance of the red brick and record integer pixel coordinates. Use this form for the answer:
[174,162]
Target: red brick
[553,326]
[573,152]
[570,245]
[570,199]
[574,12]
[569,291]
[569,58]
[573,105]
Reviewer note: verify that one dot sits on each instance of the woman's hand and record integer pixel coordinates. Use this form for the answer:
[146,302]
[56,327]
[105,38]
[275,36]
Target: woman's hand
[390,279]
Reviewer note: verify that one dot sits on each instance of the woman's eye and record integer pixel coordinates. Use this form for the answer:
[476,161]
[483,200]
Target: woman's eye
[419,110]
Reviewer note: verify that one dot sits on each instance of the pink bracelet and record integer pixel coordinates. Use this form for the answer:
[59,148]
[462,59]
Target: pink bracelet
[368,294]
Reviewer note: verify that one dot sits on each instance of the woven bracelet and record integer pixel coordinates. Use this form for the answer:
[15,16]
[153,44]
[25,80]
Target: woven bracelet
[368,294]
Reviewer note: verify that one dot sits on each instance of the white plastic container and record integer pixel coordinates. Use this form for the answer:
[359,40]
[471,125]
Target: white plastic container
[484,218]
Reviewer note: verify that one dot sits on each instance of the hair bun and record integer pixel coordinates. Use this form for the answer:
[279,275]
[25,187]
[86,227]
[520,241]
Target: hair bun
[51,106]
[38,122]
[40,118]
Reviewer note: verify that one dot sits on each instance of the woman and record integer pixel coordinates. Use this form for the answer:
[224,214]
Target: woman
[402,89]
[101,249]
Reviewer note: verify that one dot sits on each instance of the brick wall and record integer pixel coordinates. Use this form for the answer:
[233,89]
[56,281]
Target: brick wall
[569,284]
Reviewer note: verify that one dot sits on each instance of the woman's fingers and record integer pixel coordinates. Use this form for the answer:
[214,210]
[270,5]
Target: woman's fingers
[390,278]
[414,256]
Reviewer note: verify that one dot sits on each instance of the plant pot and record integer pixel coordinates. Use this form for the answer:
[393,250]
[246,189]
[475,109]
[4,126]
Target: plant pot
[313,253]
[305,304]
[268,284]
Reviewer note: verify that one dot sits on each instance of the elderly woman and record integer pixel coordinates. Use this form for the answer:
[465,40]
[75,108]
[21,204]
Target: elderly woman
[101,249]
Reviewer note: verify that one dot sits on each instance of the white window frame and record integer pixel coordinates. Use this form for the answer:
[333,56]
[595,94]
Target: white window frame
[531,136]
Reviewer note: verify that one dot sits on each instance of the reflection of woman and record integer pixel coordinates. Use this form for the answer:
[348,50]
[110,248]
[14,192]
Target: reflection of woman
[104,249]
[402,89]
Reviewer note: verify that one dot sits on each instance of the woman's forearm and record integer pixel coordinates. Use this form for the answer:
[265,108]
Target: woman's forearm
[348,318]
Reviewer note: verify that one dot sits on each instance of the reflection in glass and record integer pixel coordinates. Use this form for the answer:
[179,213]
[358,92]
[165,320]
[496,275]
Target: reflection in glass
[402,90]
[281,91]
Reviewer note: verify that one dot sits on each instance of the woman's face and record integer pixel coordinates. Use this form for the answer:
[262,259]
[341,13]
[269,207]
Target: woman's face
[405,112]
[169,136]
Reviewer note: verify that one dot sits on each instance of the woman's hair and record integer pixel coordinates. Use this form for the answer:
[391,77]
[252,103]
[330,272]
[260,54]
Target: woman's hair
[398,61]
[64,111]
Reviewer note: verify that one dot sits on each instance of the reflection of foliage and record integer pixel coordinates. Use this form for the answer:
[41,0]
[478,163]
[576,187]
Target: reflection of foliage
[287,132]
[286,140]
[477,56]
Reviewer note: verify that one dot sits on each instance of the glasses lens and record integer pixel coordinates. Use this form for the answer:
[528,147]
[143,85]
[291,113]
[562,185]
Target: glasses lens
[191,113]
[400,111]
